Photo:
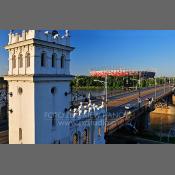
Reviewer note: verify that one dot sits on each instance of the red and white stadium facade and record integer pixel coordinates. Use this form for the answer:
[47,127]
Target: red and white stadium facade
[122,73]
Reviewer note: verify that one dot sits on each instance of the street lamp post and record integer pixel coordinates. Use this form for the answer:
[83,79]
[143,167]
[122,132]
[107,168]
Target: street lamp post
[169,83]
[106,92]
[139,89]
[155,88]
[164,85]
[139,81]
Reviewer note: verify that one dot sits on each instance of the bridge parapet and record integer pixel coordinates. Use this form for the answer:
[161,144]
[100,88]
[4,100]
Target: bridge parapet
[111,127]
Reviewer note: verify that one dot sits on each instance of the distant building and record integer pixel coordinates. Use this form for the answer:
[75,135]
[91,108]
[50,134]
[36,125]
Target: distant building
[39,81]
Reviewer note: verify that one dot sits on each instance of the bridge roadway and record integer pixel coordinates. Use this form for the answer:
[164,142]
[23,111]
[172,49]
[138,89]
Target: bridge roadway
[116,105]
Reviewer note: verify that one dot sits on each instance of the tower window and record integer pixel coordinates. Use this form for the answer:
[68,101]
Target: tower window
[20,134]
[43,59]
[53,60]
[13,61]
[54,120]
[28,59]
[20,90]
[85,136]
[20,59]
[53,90]
[62,61]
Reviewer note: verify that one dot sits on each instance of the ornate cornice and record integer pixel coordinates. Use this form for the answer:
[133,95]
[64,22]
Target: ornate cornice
[39,77]
[39,42]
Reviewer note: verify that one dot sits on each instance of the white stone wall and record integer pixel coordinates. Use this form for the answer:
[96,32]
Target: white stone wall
[46,103]
[23,113]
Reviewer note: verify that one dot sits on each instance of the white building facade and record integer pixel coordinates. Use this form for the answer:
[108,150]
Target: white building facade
[39,81]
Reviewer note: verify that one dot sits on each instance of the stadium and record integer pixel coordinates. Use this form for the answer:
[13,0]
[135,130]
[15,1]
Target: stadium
[122,73]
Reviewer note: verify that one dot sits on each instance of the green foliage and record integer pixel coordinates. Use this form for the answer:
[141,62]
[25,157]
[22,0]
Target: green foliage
[87,82]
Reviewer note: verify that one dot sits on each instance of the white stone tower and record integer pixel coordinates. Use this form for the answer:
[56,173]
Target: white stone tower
[39,81]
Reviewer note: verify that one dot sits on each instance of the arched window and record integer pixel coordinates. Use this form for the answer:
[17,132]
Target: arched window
[54,120]
[75,138]
[43,59]
[28,59]
[54,60]
[53,90]
[20,90]
[13,61]
[20,60]
[99,132]
[62,61]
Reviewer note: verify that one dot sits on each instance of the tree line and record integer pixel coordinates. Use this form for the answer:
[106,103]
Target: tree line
[87,82]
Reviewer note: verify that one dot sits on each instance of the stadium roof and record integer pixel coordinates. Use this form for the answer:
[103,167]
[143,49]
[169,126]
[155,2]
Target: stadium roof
[122,73]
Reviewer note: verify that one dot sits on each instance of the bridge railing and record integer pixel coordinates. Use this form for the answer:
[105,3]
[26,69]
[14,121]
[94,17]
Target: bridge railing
[121,121]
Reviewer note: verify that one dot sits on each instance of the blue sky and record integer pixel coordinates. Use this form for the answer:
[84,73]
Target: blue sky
[136,49]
